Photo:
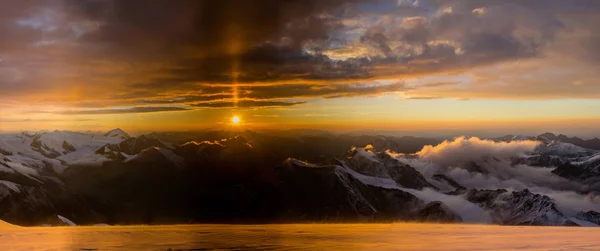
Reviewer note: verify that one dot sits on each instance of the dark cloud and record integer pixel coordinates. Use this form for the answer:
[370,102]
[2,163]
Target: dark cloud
[205,26]
[322,91]
[290,91]
[266,63]
[188,99]
[241,41]
[121,110]
[247,104]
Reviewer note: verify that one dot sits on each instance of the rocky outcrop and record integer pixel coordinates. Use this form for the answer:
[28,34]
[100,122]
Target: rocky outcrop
[542,160]
[68,147]
[5,152]
[571,171]
[38,204]
[133,146]
[38,146]
[437,211]
[458,188]
[380,164]
[346,199]
[591,216]
[519,208]
[130,146]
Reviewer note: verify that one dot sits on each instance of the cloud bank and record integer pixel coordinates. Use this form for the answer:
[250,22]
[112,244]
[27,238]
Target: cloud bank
[463,150]
[485,164]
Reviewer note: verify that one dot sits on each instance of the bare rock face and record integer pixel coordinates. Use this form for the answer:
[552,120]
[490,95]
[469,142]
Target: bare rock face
[130,146]
[68,147]
[585,170]
[570,171]
[133,146]
[349,197]
[437,211]
[380,164]
[458,188]
[5,152]
[38,204]
[591,216]
[38,146]
[346,199]
[519,208]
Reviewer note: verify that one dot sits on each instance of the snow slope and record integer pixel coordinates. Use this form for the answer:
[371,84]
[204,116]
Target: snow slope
[28,153]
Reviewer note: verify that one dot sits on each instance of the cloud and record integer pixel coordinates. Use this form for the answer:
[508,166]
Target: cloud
[464,150]
[468,211]
[139,109]
[572,203]
[162,52]
[536,79]
[486,164]
[247,104]
[477,163]
[188,99]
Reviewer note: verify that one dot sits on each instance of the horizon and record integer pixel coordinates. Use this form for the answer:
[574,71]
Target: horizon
[304,131]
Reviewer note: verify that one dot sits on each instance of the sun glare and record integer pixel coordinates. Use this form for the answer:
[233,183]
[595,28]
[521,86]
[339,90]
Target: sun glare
[235,120]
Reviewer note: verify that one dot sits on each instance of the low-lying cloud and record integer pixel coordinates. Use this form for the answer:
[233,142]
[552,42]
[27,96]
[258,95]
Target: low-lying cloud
[463,150]
[485,164]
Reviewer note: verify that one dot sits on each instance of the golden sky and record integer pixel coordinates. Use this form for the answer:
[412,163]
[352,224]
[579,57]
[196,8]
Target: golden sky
[398,65]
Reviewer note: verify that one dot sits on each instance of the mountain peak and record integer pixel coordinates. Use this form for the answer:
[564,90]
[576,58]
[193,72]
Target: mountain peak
[548,135]
[117,132]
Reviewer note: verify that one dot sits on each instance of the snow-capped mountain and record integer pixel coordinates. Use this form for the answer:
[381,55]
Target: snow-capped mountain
[367,162]
[585,170]
[119,179]
[32,166]
[592,144]
[568,157]
[57,149]
[117,133]
[558,148]
[591,164]
[520,208]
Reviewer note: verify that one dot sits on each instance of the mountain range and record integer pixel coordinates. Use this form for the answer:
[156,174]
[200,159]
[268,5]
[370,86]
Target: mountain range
[64,177]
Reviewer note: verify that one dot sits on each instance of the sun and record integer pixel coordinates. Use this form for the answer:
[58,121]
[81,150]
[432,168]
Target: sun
[235,120]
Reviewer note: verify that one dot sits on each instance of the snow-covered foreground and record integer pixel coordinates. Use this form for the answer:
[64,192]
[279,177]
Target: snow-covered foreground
[302,237]
[6,226]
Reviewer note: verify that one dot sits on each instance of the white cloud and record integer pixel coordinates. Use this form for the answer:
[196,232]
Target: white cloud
[464,150]
[485,164]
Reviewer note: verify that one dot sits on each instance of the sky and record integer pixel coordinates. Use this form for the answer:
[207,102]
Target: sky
[495,66]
